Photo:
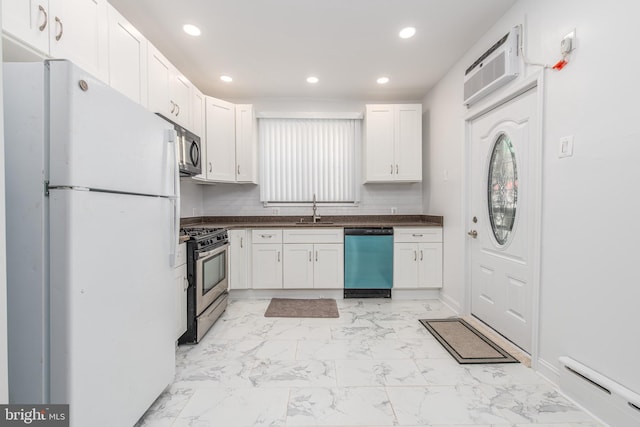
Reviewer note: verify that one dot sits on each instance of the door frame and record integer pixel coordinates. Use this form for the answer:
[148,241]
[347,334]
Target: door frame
[535,82]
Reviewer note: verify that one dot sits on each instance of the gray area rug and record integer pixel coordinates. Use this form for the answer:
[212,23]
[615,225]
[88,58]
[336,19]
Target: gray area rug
[318,308]
[465,343]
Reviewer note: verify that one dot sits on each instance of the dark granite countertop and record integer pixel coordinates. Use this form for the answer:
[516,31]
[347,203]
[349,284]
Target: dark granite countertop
[236,222]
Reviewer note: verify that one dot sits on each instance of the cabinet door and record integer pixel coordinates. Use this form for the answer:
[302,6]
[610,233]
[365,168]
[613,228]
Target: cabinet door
[238,259]
[266,266]
[405,265]
[28,21]
[246,146]
[221,145]
[78,32]
[430,265]
[180,95]
[197,120]
[408,142]
[328,270]
[298,266]
[181,285]
[159,80]
[379,128]
[127,58]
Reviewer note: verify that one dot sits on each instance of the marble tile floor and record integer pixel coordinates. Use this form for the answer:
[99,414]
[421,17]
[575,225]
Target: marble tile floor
[374,366]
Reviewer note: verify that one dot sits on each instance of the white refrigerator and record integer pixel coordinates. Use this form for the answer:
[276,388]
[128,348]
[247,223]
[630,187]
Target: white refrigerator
[92,227]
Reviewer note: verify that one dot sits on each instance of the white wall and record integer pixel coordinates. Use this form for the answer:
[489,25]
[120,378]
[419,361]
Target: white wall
[589,279]
[4,376]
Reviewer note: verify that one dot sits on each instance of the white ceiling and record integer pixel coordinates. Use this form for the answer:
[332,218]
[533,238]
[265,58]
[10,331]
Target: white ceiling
[270,47]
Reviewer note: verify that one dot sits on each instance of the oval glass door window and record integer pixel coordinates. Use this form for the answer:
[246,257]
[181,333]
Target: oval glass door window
[502,194]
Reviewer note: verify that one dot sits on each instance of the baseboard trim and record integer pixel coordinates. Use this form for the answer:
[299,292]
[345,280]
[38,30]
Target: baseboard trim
[285,293]
[548,371]
[451,303]
[409,294]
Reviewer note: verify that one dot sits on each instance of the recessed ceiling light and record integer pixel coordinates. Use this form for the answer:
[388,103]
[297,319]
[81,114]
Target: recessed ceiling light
[408,32]
[383,80]
[226,79]
[312,80]
[192,30]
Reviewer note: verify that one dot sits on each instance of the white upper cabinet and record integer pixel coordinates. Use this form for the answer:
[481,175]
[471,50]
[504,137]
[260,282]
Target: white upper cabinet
[221,144]
[169,91]
[393,143]
[66,29]
[246,144]
[180,99]
[159,80]
[231,142]
[28,21]
[127,58]
[197,127]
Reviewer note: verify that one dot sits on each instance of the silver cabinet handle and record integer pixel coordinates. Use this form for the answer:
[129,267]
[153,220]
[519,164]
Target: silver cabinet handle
[241,242]
[391,170]
[173,107]
[46,18]
[309,256]
[415,255]
[417,235]
[278,256]
[421,255]
[473,233]
[185,283]
[238,169]
[59,35]
[396,169]
[267,236]
[178,112]
[316,256]
[210,167]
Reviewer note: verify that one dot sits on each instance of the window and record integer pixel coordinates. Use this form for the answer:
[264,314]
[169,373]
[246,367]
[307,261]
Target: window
[502,191]
[301,158]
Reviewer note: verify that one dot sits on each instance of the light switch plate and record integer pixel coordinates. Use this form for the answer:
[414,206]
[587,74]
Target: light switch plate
[565,149]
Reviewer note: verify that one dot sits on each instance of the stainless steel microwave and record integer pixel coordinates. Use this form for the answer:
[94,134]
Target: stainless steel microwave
[190,152]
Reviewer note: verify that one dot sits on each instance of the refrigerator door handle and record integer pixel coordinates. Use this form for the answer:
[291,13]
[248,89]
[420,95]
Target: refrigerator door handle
[174,235]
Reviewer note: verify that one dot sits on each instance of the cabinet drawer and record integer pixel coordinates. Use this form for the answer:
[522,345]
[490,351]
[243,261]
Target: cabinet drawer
[181,257]
[418,235]
[313,235]
[266,236]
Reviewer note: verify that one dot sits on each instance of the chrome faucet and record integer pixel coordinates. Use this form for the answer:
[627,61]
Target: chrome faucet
[316,217]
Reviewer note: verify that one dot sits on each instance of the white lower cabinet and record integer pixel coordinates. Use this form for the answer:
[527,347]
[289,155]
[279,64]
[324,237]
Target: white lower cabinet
[417,258]
[328,268]
[313,258]
[238,266]
[266,259]
[181,285]
[298,266]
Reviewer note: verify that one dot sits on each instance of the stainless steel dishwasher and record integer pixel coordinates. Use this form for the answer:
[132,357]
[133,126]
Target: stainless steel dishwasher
[368,262]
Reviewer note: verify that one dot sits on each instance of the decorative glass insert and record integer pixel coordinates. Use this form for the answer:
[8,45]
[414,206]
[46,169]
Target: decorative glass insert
[502,188]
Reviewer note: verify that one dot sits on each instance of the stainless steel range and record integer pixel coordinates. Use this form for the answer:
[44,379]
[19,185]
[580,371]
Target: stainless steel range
[207,271]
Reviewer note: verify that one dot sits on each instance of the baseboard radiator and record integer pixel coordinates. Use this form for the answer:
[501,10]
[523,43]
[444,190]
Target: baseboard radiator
[608,400]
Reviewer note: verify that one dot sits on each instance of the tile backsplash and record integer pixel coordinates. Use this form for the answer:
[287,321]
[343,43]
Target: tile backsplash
[244,199]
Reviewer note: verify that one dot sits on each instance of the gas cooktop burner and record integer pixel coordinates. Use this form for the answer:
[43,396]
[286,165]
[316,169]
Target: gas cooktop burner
[202,238]
[197,232]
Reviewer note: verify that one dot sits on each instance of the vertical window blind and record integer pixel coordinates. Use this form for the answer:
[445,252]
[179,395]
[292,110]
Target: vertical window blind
[301,158]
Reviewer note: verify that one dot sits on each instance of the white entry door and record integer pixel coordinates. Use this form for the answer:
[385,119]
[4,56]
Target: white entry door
[501,217]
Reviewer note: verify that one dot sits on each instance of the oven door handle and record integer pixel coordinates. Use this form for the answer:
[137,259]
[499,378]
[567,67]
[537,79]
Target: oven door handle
[213,252]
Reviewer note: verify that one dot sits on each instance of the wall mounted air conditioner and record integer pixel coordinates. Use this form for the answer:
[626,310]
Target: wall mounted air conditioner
[495,68]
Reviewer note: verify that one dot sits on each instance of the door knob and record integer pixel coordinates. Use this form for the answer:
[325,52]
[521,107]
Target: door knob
[473,233]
